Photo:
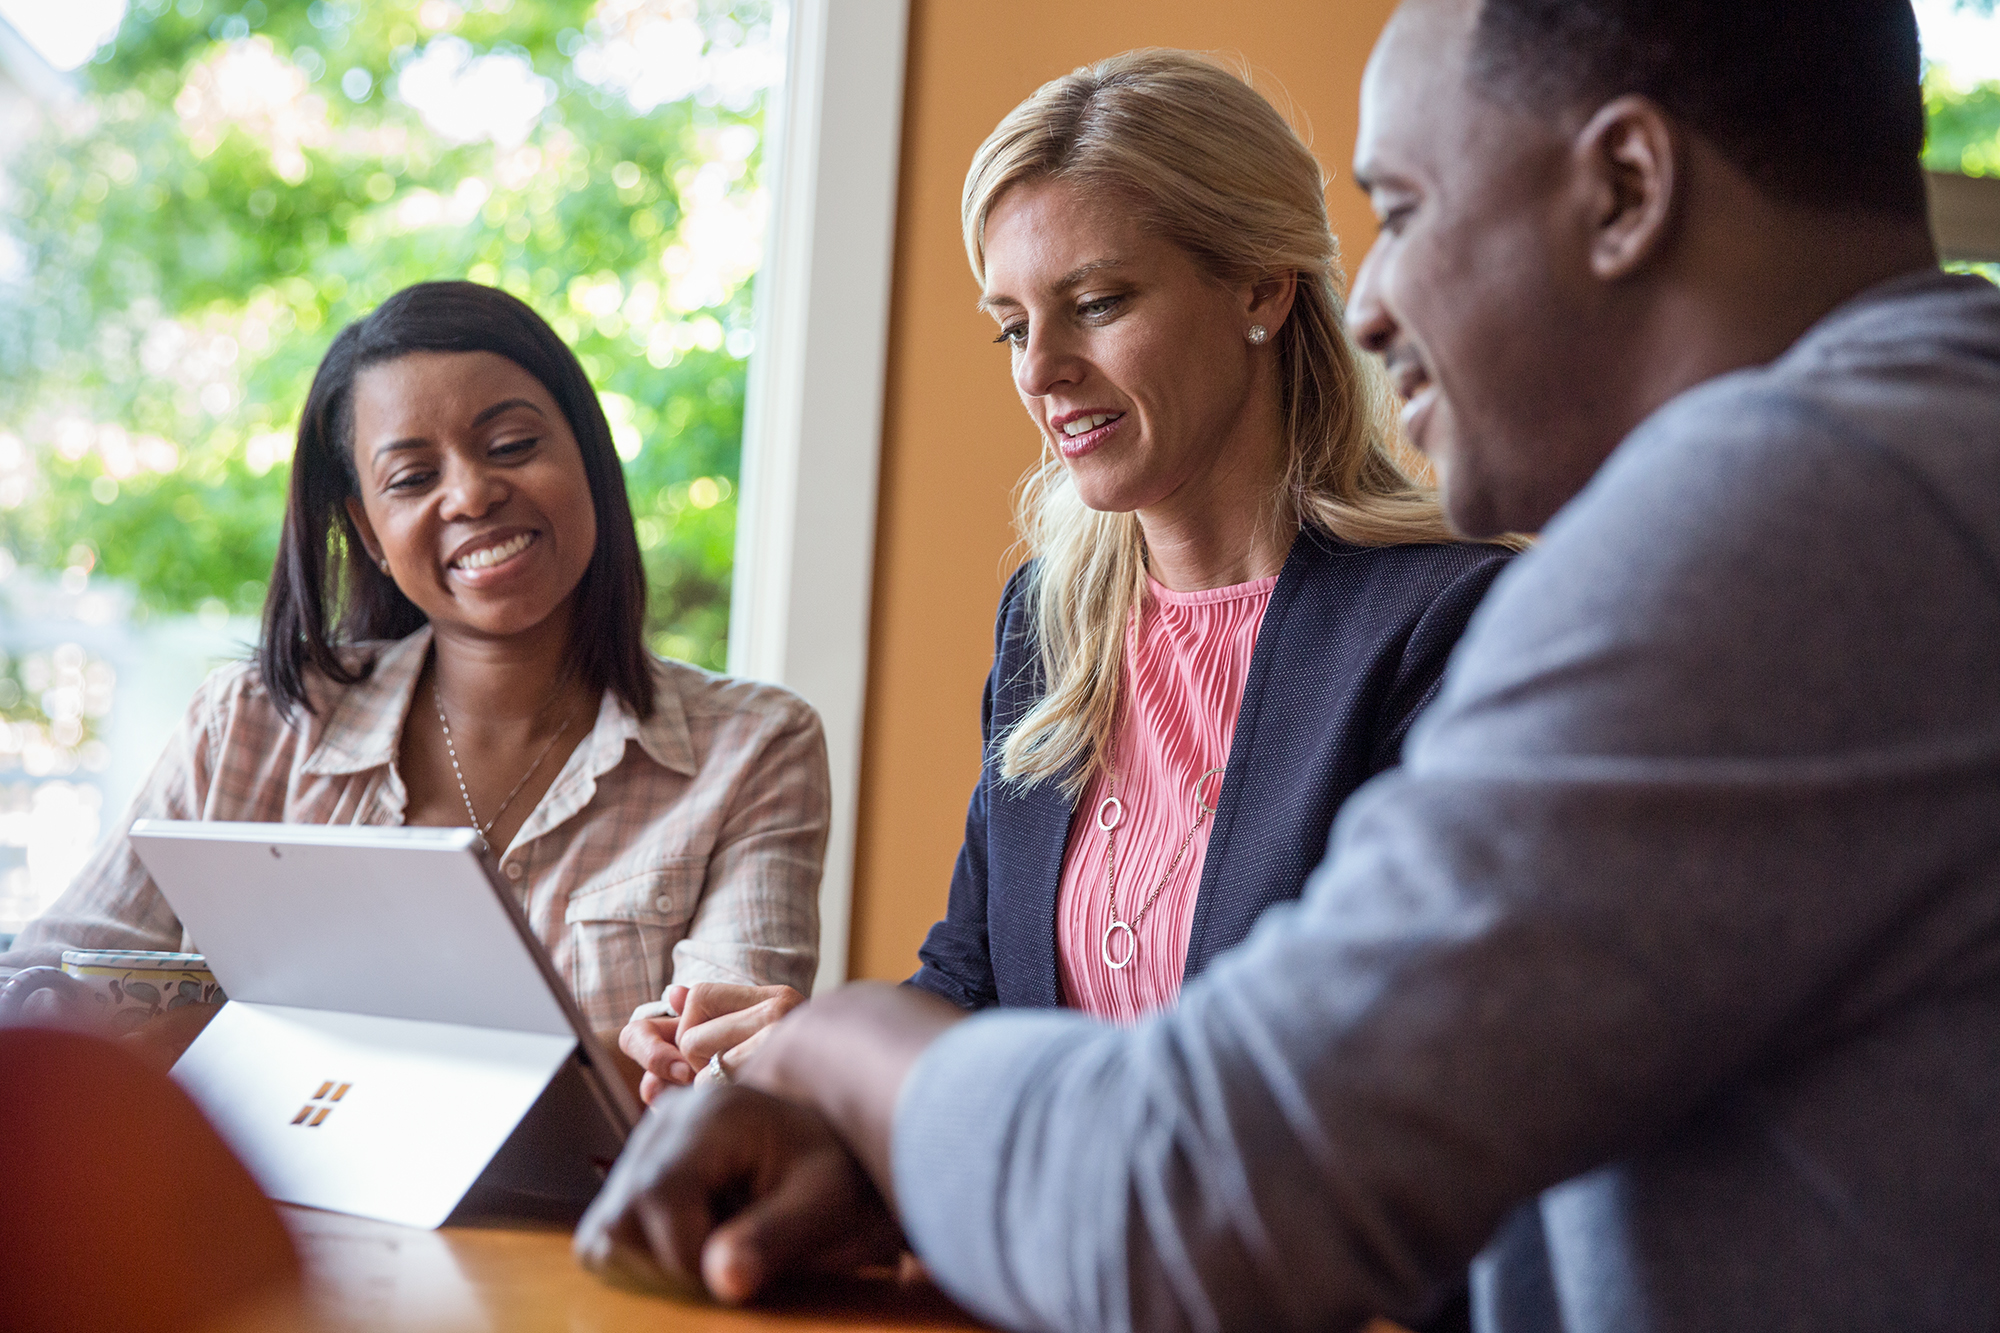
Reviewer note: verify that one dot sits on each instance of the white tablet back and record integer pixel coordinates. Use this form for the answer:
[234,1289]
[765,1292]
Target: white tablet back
[397,922]
[396,1043]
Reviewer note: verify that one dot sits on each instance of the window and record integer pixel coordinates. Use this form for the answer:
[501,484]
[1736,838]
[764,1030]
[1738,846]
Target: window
[216,187]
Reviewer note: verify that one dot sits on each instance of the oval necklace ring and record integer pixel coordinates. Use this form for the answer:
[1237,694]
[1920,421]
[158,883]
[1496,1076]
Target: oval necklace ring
[1111,814]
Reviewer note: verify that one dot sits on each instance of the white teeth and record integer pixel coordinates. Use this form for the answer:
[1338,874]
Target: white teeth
[489,556]
[1084,425]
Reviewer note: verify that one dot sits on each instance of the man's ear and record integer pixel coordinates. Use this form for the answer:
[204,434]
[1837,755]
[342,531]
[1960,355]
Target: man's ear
[369,542]
[1628,158]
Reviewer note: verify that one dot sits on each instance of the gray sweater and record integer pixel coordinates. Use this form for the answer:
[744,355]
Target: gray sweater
[1666,970]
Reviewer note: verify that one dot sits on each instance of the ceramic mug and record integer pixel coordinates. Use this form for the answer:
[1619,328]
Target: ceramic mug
[108,989]
[131,986]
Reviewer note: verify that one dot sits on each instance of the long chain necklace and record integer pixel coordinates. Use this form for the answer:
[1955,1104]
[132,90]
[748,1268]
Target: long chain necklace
[437,697]
[1110,814]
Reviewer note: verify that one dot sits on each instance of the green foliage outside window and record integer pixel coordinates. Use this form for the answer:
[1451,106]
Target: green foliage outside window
[240,178]
[1964,133]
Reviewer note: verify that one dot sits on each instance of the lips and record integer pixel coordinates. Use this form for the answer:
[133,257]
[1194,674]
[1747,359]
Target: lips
[1413,384]
[483,553]
[1406,372]
[1077,433]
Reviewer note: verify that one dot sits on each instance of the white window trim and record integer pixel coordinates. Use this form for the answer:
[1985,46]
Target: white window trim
[812,430]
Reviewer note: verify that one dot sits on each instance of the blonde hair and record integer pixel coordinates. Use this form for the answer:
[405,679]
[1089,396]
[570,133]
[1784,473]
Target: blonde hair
[1213,168]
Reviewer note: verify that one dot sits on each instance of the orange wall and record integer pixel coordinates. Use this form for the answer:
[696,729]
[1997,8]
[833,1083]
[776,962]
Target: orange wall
[955,439]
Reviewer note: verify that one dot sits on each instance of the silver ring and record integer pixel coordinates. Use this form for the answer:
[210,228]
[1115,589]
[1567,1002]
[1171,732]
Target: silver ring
[1197,790]
[1131,951]
[1117,808]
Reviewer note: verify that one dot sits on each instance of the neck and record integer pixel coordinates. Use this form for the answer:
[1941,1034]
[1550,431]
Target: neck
[503,683]
[1749,278]
[1232,524]
[1227,549]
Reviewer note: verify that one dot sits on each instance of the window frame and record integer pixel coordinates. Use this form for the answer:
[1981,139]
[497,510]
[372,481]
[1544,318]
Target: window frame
[814,401]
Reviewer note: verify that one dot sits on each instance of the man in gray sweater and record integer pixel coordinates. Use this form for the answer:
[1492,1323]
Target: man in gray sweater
[1664,976]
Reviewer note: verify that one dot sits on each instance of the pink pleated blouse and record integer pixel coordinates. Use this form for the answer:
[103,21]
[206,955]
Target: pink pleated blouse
[1187,656]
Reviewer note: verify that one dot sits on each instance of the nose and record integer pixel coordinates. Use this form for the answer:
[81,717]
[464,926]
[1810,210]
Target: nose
[471,490]
[1369,322]
[1046,364]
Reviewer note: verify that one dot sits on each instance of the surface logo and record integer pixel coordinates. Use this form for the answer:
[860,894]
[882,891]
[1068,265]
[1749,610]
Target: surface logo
[314,1113]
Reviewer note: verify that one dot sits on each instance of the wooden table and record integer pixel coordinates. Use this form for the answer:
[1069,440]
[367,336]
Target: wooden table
[375,1275]
[381,1278]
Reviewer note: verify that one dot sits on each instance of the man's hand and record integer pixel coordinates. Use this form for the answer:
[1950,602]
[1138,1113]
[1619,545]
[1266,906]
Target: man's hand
[726,1188]
[787,1171]
[715,1018]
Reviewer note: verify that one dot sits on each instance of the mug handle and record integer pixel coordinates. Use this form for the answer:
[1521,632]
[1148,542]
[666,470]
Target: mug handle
[72,997]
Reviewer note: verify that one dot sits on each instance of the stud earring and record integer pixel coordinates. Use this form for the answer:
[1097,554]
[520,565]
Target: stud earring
[383,564]
[1258,335]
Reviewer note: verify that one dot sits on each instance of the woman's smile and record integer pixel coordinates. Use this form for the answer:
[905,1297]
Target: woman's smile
[1081,432]
[492,556]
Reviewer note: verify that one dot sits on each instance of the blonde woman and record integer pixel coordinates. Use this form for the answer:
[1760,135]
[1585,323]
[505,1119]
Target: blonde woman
[1236,600]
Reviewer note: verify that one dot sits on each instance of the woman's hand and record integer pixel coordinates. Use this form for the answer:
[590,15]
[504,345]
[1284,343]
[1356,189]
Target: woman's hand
[715,1017]
[48,997]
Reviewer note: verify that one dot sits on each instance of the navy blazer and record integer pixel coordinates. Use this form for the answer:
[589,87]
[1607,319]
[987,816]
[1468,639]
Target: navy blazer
[1351,648]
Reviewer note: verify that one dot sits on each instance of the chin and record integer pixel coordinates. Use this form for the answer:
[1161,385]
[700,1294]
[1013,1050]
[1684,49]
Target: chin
[1101,495]
[1471,509]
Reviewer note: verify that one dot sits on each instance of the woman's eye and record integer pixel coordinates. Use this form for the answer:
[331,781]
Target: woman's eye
[509,448]
[1394,219]
[407,481]
[1014,335]
[1103,305]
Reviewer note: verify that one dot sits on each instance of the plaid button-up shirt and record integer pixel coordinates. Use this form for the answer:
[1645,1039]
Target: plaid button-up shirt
[684,848]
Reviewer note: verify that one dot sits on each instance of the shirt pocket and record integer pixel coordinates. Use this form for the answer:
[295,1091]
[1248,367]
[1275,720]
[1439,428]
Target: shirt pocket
[623,933]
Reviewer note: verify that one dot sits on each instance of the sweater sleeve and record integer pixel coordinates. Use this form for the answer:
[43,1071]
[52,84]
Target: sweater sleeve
[1657,836]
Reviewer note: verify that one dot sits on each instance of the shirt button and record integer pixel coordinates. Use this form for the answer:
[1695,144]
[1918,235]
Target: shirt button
[663,902]
[514,870]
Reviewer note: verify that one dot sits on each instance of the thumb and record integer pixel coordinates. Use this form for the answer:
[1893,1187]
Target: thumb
[791,1228]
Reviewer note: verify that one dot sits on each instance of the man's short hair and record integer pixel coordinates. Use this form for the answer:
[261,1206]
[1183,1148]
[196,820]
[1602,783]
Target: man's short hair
[1818,102]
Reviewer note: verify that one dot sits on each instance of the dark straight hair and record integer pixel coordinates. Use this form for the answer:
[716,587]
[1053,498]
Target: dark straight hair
[325,591]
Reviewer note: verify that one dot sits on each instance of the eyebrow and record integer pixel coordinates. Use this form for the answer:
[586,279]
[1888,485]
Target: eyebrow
[505,405]
[1073,278]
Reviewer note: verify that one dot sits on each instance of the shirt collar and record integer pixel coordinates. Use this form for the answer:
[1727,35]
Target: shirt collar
[664,736]
[365,728]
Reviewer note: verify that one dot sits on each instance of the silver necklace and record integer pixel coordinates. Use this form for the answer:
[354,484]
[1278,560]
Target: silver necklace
[437,697]
[1110,814]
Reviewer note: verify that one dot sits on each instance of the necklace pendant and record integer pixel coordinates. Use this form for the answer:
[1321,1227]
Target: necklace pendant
[1131,945]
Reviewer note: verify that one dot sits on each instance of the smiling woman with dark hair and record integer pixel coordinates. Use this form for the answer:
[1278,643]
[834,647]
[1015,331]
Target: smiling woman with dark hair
[453,637]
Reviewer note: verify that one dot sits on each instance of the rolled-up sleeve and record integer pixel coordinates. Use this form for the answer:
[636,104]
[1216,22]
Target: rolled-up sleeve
[757,922]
